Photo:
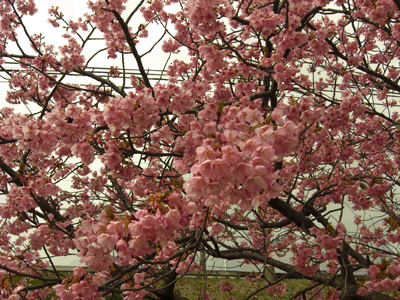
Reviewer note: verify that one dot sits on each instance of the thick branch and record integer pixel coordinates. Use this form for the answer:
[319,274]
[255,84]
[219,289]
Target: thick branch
[240,20]
[41,202]
[279,224]
[373,73]
[8,170]
[296,217]
[121,193]
[320,277]
[132,45]
[41,286]
[288,268]
[7,141]
[100,79]
[397,2]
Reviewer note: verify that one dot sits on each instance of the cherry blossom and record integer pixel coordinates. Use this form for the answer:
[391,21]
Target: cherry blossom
[277,123]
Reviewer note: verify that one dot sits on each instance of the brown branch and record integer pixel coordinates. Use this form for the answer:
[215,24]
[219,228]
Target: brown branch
[8,170]
[311,13]
[319,276]
[41,286]
[7,141]
[261,95]
[40,201]
[100,79]
[279,224]
[397,2]
[296,217]
[288,268]
[25,275]
[121,193]
[132,45]
[240,20]
[337,52]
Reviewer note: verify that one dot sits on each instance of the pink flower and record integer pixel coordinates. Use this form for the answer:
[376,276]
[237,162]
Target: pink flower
[231,155]
[393,269]
[139,277]
[220,167]
[186,266]
[226,286]
[325,240]
[265,152]
[173,218]
[205,153]
[216,229]
[194,185]
[197,221]
[106,242]
[139,246]
[79,272]
[373,271]
[254,183]
[243,171]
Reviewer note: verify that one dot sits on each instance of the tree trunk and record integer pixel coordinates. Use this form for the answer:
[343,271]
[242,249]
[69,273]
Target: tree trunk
[167,293]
